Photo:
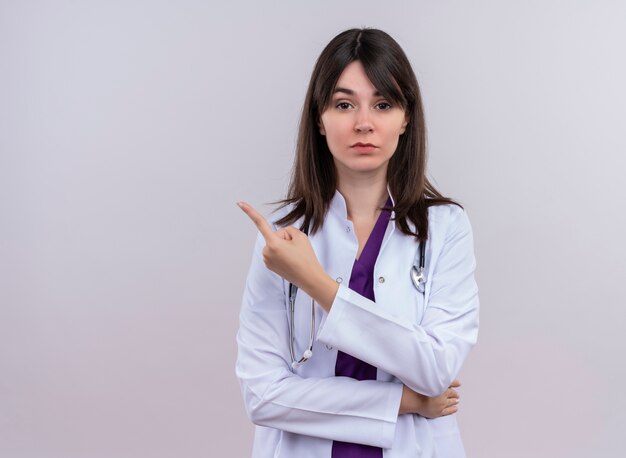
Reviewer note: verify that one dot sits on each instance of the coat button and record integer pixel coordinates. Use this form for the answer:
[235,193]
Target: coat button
[338,279]
[347,228]
[381,279]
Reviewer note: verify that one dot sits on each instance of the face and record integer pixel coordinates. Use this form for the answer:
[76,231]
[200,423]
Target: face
[361,127]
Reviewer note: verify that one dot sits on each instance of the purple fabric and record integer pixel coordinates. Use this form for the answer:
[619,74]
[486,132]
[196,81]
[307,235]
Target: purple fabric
[362,281]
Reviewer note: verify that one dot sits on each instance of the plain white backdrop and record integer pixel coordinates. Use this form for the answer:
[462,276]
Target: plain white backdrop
[128,130]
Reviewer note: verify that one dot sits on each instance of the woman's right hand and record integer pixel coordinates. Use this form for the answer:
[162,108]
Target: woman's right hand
[444,404]
[288,253]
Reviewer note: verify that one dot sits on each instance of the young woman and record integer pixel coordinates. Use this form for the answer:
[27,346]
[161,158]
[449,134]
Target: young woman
[360,304]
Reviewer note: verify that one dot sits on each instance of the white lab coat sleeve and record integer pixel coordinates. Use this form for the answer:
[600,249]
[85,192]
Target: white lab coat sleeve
[425,356]
[337,408]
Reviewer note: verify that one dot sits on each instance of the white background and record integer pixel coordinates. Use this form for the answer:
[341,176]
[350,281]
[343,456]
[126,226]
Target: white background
[128,129]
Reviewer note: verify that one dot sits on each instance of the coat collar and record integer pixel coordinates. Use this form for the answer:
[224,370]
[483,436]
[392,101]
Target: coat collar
[339,208]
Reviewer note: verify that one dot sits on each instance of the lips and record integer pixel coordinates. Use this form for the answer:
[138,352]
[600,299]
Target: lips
[363,144]
[364,147]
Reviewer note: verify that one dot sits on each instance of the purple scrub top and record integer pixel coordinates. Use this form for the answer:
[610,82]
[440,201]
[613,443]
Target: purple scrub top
[362,282]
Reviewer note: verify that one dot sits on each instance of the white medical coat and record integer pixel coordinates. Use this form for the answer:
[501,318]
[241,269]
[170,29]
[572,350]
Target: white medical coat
[415,338]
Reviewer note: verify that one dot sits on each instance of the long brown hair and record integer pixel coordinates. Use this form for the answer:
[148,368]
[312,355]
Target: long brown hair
[314,180]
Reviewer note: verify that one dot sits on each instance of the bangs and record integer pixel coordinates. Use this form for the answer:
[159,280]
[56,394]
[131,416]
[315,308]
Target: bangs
[377,72]
[385,82]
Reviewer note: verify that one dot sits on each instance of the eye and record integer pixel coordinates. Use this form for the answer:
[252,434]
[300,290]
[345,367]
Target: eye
[343,105]
[384,106]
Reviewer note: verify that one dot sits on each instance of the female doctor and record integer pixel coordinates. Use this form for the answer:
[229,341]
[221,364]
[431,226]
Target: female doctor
[360,304]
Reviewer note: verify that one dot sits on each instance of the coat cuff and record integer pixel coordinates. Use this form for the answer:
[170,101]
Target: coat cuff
[330,322]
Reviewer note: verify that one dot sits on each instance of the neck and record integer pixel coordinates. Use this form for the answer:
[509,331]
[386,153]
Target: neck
[363,197]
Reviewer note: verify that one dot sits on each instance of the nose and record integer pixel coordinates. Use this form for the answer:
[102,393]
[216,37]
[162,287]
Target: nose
[363,122]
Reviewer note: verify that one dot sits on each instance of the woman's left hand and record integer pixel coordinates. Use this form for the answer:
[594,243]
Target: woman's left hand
[446,403]
[288,253]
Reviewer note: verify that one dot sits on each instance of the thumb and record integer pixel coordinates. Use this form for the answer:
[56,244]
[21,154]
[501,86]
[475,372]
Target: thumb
[283,234]
[293,232]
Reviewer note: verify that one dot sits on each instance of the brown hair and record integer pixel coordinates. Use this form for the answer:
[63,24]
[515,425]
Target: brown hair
[313,180]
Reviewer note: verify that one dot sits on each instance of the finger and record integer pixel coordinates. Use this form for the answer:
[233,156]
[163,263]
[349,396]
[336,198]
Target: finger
[455,383]
[261,223]
[449,410]
[453,394]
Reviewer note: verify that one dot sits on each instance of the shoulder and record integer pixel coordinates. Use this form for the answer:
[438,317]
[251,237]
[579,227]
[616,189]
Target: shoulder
[445,211]
[447,218]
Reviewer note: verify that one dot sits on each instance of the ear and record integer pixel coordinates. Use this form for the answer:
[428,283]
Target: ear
[321,127]
[404,124]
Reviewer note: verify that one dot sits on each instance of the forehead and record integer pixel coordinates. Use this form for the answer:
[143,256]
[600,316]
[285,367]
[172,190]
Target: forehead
[355,79]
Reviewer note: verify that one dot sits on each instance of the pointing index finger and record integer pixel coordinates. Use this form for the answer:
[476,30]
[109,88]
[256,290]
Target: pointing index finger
[260,222]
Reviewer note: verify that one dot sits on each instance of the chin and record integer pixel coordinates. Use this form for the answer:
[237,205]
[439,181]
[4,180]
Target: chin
[368,167]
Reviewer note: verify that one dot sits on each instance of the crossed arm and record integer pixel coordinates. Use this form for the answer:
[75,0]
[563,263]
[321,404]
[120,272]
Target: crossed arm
[288,253]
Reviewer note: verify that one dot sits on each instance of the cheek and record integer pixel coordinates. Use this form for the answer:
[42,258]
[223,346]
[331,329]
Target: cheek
[396,131]
[333,143]
[334,135]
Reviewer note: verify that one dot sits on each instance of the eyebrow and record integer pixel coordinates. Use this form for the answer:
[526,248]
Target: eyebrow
[351,92]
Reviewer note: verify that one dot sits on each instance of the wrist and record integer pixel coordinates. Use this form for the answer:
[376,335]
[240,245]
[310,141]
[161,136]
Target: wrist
[411,402]
[322,288]
[404,401]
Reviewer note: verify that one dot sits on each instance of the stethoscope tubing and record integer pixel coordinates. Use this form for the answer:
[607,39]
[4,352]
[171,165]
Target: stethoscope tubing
[417,277]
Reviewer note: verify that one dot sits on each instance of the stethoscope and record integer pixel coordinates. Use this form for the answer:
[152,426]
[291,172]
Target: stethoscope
[417,277]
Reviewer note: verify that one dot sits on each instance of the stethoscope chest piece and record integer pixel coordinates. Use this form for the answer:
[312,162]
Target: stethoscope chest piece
[417,277]
[417,273]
